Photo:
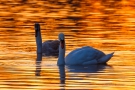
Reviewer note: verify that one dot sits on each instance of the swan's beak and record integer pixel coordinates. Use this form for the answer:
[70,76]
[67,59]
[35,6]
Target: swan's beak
[37,28]
[62,42]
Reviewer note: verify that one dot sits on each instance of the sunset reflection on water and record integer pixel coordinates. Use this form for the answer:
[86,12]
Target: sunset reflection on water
[108,25]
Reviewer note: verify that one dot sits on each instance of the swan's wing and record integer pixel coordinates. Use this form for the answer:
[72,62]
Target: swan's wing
[80,55]
[106,58]
[91,62]
[55,44]
[49,41]
[45,47]
[99,54]
[79,50]
[74,51]
[51,44]
[50,47]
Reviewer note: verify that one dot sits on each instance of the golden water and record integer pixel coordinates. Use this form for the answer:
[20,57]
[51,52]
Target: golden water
[108,25]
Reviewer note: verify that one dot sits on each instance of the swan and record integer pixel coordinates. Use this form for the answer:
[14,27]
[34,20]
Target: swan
[82,56]
[49,48]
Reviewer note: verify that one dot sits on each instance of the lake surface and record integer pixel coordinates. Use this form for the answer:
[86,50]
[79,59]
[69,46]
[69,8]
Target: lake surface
[108,25]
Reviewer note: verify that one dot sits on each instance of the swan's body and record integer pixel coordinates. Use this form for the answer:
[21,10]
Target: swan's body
[48,48]
[86,55]
[82,56]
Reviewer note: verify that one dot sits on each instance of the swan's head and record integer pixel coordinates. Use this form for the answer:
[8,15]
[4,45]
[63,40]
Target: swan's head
[37,29]
[62,40]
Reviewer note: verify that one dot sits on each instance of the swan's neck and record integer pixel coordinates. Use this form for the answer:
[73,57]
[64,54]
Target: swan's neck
[39,42]
[61,58]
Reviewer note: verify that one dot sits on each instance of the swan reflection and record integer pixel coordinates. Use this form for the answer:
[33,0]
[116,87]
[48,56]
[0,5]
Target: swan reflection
[62,76]
[88,68]
[38,64]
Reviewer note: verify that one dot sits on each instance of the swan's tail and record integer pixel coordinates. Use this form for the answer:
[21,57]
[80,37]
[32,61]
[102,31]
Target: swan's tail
[106,58]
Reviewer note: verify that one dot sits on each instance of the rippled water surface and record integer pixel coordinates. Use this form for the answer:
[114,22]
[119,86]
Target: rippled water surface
[108,25]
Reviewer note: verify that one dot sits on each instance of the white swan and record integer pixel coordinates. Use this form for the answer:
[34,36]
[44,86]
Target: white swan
[82,56]
[49,48]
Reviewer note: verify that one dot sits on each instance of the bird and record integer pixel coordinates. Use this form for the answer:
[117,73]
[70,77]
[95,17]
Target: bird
[85,55]
[47,48]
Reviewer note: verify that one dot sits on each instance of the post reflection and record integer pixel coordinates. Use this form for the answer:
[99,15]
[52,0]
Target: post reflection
[38,64]
[62,76]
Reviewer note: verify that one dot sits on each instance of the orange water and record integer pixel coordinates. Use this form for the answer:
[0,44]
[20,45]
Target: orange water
[108,25]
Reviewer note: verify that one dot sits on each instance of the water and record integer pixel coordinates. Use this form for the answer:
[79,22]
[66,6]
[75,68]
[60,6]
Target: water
[25,73]
[106,25]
